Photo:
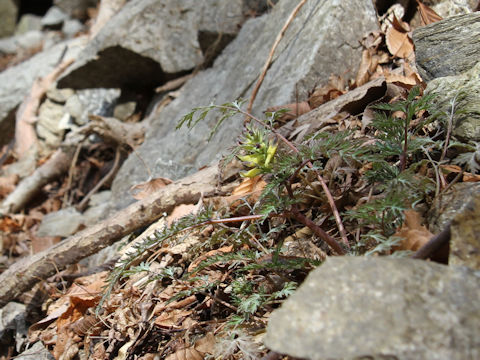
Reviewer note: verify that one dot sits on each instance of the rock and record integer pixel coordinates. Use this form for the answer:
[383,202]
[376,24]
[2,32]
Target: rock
[36,352]
[13,317]
[311,49]
[76,8]
[464,91]
[8,17]
[19,43]
[47,126]
[156,40]
[382,308]
[62,223]
[28,22]
[125,110]
[71,27]
[98,208]
[97,102]
[54,18]
[450,203]
[59,95]
[465,240]
[16,82]
[442,50]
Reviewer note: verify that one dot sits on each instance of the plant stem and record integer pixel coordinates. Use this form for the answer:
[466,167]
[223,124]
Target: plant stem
[328,194]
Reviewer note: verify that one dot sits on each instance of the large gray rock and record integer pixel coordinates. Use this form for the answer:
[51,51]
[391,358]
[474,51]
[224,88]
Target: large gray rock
[450,203]
[380,308]
[463,91]
[149,41]
[8,17]
[16,82]
[316,44]
[447,47]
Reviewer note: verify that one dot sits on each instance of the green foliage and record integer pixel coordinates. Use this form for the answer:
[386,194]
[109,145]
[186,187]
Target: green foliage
[395,151]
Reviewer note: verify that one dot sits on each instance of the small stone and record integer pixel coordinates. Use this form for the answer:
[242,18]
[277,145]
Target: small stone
[8,17]
[60,95]
[28,22]
[54,17]
[49,116]
[72,27]
[62,223]
[125,110]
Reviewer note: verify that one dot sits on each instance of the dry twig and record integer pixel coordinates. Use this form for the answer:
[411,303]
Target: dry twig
[270,55]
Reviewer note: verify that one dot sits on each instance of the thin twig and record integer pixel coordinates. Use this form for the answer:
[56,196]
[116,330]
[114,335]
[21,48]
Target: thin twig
[307,222]
[107,177]
[270,55]
[67,199]
[449,127]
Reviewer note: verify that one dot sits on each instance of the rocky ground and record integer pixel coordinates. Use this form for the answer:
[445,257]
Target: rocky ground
[239,179]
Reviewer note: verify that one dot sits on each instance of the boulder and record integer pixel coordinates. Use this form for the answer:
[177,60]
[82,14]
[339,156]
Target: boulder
[447,47]
[465,240]
[16,82]
[462,91]
[380,308]
[450,203]
[316,44]
[149,42]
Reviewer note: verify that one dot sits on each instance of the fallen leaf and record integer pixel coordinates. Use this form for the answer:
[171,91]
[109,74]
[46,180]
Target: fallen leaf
[222,250]
[399,43]
[7,184]
[185,354]
[181,211]
[206,344]
[144,190]
[294,110]
[363,73]
[332,90]
[428,15]
[414,235]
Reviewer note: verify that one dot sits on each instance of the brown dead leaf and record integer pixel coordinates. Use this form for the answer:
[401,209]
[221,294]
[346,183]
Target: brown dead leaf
[332,90]
[405,81]
[249,189]
[144,190]
[294,110]
[222,250]
[413,233]
[399,43]
[398,39]
[181,211]
[364,70]
[467,177]
[428,15]
[185,354]
[7,184]
[172,319]
[206,344]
